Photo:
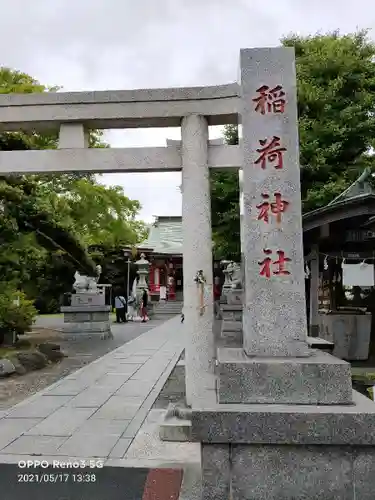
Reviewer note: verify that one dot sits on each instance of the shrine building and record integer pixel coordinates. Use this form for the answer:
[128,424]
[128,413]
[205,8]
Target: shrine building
[163,249]
[339,244]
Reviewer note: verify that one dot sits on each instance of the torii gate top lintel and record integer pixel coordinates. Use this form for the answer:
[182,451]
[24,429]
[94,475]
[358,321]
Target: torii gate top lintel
[110,109]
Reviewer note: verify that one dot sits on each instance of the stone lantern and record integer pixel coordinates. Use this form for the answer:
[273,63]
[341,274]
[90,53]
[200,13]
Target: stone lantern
[227,271]
[143,266]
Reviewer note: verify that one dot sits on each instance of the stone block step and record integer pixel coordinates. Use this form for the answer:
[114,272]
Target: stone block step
[231,326]
[232,338]
[175,429]
[231,315]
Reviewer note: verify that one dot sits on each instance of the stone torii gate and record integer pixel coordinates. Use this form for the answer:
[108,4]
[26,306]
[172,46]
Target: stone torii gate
[276,419]
[73,114]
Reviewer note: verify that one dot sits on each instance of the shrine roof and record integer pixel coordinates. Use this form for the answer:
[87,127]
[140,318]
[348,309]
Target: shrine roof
[361,186]
[357,200]
[165,236]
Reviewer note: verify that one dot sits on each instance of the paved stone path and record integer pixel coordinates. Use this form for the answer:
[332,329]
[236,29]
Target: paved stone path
[80,351]
[94,413]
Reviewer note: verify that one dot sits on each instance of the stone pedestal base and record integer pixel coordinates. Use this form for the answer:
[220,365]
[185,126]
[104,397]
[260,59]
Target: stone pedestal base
[231,312]
[232,331]
[86,320]
[231,326]
[87,299]
[319,379]
[282,452]
[235,297]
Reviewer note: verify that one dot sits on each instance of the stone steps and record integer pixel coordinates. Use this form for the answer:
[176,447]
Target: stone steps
[168,308]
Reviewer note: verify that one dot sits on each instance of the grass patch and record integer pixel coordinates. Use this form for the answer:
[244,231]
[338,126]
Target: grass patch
[7,352]
[55,315]
[361,375]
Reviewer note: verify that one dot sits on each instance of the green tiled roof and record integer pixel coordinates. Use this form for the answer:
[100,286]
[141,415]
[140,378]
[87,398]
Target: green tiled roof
[361,191]
[165,236]
[360,187]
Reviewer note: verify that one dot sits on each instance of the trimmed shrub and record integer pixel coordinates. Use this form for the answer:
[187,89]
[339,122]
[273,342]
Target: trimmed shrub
[17,314]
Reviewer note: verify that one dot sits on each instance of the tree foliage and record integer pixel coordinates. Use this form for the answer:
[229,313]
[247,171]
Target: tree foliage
[49,222]
[225,195]
[17,313]
[336,102]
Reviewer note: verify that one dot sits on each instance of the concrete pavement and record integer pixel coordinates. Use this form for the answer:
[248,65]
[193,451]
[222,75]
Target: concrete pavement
[97,412]
[98,423]
[93,347]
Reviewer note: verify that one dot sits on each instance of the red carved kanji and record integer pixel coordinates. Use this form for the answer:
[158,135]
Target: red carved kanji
[266,263]
[270,100]
[272,152]
[276,208]
[279,263]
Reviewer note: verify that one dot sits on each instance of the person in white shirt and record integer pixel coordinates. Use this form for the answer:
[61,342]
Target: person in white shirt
[131,308]
[120,305]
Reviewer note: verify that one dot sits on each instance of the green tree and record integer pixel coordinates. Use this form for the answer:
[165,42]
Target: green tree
[99,214]
[225,195]
[23,212]
[336,102]
[48,222]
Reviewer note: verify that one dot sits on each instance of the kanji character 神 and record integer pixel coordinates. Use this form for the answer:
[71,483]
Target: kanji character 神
[276,208]
[270,100]
[279,263]
[272,152]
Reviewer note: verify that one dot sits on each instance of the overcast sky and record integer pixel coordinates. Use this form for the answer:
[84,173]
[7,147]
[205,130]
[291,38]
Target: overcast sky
[124,44]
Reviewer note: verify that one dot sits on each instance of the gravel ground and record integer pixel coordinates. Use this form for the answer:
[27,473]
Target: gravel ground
[80,352]
[173,390]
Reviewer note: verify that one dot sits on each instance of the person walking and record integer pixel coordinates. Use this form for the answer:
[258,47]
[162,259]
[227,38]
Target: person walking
[144,306]
[217,295]
[120,305]
[131,308]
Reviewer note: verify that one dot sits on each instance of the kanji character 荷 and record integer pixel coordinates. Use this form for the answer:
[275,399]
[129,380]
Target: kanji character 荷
[272,152]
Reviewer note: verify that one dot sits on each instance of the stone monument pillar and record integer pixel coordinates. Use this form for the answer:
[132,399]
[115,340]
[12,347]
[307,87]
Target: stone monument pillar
[274,309]
[197,255]
[285,422]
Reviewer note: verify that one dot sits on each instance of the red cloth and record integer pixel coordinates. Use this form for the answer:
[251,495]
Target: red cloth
[217,292]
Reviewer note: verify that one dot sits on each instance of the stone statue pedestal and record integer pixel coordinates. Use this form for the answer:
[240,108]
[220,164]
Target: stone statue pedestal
[231,312]
[231,326]
[235,296]
[87,316]
[87,299]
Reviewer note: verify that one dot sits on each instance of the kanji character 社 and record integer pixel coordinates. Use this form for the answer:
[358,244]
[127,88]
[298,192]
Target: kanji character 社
[279,263]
